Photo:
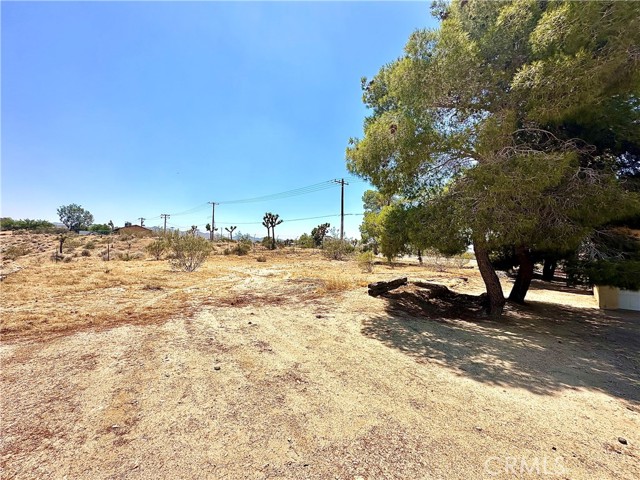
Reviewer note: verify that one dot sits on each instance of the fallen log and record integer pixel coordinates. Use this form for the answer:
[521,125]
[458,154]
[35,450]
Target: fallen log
[378,288]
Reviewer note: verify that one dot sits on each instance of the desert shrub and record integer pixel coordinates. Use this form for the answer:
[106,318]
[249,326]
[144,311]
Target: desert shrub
[365,261]
[336,249]
[15,251]
[261,258]
[189,251]
[90,245]
[306,241]
[441,262]
[226,251]
[86,253]
[67,258]
[73,242]
[243,246]
[157,248]
[128,256]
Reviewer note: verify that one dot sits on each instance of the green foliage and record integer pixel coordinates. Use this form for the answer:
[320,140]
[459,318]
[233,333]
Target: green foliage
[188,252]
[102,228]
[8,223]
[504,127]
[318,234]
[624,274]
[306,241]
[243,246]
[336,249]
[74,217]
[157,248]
[366,261]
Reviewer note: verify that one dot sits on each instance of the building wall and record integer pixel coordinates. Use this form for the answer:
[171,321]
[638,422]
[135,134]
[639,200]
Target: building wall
[607,297]
[611,298]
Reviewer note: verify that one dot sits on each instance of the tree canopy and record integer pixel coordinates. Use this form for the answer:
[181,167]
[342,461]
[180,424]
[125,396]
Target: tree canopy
[74,217]
[509,125]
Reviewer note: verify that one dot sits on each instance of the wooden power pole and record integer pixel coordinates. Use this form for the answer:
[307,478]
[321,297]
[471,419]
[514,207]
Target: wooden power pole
[212,235]
[165,216]
[342,183]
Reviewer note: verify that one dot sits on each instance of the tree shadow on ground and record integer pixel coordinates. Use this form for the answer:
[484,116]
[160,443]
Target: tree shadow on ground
[539,284]
[541,347]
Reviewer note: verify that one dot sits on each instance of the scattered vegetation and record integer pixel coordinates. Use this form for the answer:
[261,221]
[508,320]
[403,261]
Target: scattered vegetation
[8,223]
[74,217]
[15,251]
[336,249]
[188,251]
[366,261]
[157,248]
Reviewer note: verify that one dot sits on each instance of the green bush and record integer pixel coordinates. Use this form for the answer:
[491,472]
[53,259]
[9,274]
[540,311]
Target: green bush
[306,241]
[188,251]
[157,248]
[624,274]
[242,248]
[366,260]
[336,249]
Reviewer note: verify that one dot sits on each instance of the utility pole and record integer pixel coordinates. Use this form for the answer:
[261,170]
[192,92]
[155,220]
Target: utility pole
[141,221]
[165,216]
[212,236]
[342,183]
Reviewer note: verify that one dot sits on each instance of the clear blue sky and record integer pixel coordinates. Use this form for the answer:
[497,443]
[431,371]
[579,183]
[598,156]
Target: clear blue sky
[138,109]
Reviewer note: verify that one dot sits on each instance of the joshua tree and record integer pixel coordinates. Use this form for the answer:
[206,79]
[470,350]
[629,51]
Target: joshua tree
[319,233]
[230,230]
[265,223]
[271,221]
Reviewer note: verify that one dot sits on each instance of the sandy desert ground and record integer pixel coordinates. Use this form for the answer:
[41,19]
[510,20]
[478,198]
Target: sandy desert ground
[288,369]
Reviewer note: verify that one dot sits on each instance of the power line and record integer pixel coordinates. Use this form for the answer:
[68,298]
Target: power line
[289,193]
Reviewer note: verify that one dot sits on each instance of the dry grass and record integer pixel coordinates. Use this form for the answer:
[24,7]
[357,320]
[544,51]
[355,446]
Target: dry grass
[288,369]
[44,298]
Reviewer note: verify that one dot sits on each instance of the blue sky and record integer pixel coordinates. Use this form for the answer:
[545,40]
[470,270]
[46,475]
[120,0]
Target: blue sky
[138,109]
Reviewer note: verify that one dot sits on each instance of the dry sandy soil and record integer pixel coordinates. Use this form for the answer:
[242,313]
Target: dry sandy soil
[288,369]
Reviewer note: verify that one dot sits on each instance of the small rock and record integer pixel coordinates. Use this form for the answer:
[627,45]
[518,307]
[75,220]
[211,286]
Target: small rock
[622,440]
[249,323]
[166,374]
[553,448]
[479,429]
[217,367]
[319,316]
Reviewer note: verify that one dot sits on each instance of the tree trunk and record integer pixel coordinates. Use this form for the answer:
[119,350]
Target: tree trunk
[491,281]
[524,276]
[549,269]
[378,288]
[273,238]
[420,257]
